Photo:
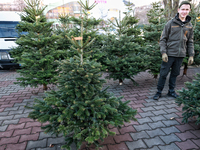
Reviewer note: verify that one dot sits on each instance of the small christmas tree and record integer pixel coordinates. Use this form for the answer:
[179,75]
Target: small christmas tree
[152,33]
[190,99]
[124,57]
[80,107]
[37,50]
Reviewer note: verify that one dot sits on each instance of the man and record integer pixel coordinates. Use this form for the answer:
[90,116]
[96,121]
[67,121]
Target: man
[175,41]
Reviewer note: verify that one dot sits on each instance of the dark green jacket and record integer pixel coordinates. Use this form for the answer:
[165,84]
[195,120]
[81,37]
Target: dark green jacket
[177,38]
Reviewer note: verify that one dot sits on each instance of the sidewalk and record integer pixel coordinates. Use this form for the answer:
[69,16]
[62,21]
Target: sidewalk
[158,127]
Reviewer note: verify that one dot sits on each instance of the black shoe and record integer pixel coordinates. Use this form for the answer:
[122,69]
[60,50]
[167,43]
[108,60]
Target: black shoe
[157,96]
[172,94]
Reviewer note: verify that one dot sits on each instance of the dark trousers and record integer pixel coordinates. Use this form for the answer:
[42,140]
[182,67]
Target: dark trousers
[174,63]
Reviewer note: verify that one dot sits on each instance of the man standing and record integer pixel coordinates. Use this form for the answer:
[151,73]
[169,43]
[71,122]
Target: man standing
[176,40]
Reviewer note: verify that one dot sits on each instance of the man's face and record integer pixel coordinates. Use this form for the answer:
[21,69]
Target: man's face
[184,11]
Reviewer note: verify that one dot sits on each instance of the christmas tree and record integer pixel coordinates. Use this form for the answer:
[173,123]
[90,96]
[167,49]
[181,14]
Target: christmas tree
[80,107]
[152,33]
[37,50]
[190,99]
[124,55]
[90,25]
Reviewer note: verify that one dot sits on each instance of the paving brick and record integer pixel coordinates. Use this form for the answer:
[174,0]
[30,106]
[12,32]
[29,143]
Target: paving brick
[21,116]
[158,118]
[171,110]
[108,140]
[186,135]
[10,140]
[184,127]
[161,103]
[139,135]
[135,145]
[169,147]
[22,120]
[17,126]
[197,142]
[22,131]
[170,138]
[128,129]
[147,109]
[161,107]
[155,125]
[30,137]
[36,130]
[153,142]
[196,133]
[2,109]
[186,145]
[142,127]
[36,144]
[6,105]
[170,130]
[14,121]
[144,120]
[123,138]
[171,105]
[16,112]
[159,112]
[6,133]
[170,122]
[146,114]
[3,128]
[121,146]
[169,116]
[156,132]
[6,117]
[132,122]
[33,124]
[20,146]
[137,106]
[11,108]
[102,148]
[149,104]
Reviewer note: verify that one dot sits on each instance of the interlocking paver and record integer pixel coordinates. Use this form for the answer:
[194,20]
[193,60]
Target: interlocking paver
[153,142]
[156,132]
[158,127]
[169,147]
[155,125]
[170,138]
[136,145]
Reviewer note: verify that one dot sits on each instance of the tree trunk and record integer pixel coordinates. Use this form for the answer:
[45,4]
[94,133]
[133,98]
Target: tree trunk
[171,7]
[45,87]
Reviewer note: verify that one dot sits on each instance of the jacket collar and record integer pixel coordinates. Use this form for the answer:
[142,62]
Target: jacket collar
[177,19]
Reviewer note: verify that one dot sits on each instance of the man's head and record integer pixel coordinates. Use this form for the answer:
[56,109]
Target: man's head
[184,9]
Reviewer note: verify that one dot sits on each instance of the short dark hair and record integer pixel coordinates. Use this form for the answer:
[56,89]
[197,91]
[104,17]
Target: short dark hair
[184,2]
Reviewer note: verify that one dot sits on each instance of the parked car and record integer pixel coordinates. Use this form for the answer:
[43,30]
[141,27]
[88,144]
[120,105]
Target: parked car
[8,35]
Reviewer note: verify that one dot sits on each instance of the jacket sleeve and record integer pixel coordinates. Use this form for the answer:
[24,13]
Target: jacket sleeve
[164,38]
[190,44]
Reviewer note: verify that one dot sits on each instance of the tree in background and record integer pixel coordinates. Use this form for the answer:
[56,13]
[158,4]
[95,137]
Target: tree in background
[171,8]
[80,109]
[124,55]
[37,51]
[152,33]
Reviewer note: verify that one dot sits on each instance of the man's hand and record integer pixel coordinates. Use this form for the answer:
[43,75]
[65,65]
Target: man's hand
[164,57]
[190,60]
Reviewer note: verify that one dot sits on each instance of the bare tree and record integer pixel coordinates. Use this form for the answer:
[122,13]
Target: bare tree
[171,7]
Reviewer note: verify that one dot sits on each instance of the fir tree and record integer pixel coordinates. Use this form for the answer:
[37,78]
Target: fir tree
[80,107]
[124,55]
[37,50]
[190,99]
[152,33]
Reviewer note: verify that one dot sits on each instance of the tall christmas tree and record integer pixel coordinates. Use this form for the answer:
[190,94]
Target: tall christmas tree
[80,107]
[37,50]
[124,55]
[190,99]
[152,33]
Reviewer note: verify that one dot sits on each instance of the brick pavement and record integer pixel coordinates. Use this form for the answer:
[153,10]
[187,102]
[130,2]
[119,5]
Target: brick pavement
[159,125]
